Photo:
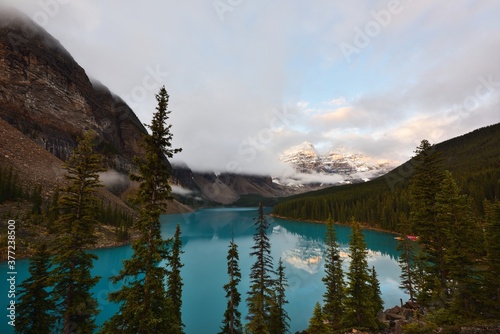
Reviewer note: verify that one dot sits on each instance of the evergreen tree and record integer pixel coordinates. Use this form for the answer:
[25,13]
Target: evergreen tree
[333,298]
[10,187]
[144,304]
[461,250]
[279,319]
[35,305]
[378,303]
[317,322]
[407,249]
[430,262]
[72,278]
[492,275]
[174,280]
[232,316]
[260,297]
[36,199]
[53,211]
[359,304]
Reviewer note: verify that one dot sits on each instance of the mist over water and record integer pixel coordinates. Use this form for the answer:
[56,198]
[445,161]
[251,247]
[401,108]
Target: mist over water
[206,235]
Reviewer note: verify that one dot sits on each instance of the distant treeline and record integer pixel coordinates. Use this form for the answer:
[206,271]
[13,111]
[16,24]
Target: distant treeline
[10,187]
[46,211]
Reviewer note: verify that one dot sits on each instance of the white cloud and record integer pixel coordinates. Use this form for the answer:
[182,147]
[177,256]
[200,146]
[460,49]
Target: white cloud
[227,77]
[180,190]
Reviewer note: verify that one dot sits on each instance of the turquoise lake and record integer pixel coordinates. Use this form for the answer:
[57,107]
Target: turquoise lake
[206,235]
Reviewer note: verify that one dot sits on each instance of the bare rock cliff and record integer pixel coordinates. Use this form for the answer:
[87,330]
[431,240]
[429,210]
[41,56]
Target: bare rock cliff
[46,95]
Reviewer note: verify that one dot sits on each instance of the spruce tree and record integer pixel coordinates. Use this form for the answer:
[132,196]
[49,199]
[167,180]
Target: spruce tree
[37,200]
[174,280]
[260,297]
[359,306]
[279,319]
[35,308]
[461,249]
[378,303]
[71,277]
[53,211]
[333,298]
[492,274]
[317,322]
[424,186]
[408,250]
[232,316]
[144,304]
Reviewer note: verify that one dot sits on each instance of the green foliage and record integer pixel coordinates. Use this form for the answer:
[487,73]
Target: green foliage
[419,328]
[36,199]
[145,306]
[279,319]
[424,186]
[71,277]
[120,218]
[443,317]
[373,202]
[174,281]
[492,274]
[53,211]
[360,308]
[35,305]
[10,185]
[253,200]
[261,295]
[461,250]
[408,251]
[317,322]
[232,316]
[333,297]
[153,174]
[378,303]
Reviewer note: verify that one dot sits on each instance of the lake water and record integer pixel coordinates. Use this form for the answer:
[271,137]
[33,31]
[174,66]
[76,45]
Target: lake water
[206,235]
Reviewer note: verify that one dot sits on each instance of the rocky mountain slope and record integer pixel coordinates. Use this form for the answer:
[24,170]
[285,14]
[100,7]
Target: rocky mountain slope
[224,188]
[306,159]
[48,99]
[47,96]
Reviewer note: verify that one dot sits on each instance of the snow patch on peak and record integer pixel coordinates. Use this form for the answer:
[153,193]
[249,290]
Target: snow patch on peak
[340,161]
[305,148]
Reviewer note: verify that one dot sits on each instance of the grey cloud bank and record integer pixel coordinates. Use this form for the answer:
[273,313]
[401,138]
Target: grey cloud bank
[249,79]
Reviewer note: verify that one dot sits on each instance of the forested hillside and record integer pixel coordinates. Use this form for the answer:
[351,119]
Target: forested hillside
[473,159]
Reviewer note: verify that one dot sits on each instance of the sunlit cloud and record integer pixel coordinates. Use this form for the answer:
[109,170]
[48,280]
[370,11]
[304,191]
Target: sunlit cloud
[422,75]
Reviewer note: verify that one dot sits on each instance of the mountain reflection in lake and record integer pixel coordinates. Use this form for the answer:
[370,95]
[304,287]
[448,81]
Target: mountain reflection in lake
[206,235]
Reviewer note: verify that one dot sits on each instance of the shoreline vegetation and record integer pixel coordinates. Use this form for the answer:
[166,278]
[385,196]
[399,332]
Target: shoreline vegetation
[363,226]
[105,231]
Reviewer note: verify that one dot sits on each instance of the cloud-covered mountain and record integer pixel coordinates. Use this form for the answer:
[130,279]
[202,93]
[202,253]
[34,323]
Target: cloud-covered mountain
[348,166]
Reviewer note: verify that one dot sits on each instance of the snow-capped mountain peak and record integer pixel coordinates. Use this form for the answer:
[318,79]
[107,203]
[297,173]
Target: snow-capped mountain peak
[305,159]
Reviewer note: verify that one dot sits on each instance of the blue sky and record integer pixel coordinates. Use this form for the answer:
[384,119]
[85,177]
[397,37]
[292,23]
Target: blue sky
[249,79]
